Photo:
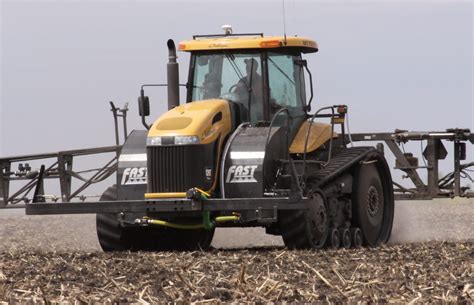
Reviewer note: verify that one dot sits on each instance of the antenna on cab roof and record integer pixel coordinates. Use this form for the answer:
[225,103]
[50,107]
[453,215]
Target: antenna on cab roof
[284,21]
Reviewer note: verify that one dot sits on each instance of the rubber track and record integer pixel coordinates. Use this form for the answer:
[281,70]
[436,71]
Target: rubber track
[340,163]
[108,230]
[292,222]
[292,225]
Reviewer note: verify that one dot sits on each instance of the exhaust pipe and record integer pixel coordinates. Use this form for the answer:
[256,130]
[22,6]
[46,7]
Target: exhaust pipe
[173,76]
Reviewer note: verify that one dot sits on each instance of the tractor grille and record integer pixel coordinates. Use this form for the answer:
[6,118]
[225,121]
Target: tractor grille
[166,169]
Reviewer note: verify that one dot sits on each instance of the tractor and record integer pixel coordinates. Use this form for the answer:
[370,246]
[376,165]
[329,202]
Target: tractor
[246,135]
[245,149]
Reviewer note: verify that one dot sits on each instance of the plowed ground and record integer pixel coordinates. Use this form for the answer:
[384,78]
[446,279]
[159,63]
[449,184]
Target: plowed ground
[57,259]
[427,272]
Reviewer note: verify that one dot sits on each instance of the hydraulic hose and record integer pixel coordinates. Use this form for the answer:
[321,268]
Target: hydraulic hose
[206,224]
[226,218]
[174,225]
[206,221]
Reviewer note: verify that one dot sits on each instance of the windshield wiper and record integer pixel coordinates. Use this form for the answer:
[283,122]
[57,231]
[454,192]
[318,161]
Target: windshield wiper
[230,57]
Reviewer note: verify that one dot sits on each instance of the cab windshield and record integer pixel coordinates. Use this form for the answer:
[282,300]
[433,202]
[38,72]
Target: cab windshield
[233,76]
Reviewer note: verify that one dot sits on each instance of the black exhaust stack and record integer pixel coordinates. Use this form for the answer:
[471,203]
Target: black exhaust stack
[173,76]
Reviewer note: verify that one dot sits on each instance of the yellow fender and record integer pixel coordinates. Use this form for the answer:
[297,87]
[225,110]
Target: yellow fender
[319,134]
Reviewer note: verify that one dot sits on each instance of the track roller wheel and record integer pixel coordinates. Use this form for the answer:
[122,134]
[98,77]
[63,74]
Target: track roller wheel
[305,229]
[346,238]
[334,239]
[356,236]
[372,199]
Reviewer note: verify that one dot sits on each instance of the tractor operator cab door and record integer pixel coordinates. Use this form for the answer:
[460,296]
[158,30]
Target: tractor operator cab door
[235,76]
[286,89]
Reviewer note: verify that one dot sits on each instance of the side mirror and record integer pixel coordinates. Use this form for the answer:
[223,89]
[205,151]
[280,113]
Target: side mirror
[304,64]
[301,62]
[143,106]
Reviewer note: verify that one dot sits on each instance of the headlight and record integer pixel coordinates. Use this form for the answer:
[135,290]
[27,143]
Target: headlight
[153,141]
[178,140]
[183,140]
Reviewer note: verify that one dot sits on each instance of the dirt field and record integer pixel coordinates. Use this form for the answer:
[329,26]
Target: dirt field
[403,273]
[57,258]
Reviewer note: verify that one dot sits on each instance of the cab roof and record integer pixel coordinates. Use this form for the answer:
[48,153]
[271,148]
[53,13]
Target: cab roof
[247,41]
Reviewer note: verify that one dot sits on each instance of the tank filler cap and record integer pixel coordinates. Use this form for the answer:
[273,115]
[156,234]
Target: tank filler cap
[227,29]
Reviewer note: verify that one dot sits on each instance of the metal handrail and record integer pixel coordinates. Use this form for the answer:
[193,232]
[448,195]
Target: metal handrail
[307,136]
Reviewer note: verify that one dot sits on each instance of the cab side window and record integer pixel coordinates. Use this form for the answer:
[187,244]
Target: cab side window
[286,83]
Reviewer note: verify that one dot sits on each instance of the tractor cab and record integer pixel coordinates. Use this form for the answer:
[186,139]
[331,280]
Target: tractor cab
[259,74]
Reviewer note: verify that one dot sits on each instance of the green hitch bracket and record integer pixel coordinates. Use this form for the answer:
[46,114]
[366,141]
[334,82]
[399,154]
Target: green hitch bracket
[207,222]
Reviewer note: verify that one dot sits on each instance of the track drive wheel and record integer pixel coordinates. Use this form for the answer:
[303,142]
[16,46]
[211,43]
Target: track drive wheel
[372,199]
[305,229]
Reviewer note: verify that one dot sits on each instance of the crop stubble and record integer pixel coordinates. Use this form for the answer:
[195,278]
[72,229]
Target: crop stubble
[423,272]
[56,259]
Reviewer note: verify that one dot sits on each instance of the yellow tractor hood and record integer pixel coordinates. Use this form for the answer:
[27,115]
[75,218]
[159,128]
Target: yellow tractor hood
[206,120]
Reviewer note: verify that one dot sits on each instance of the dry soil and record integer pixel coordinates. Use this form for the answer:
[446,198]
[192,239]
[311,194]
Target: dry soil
[430,258]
